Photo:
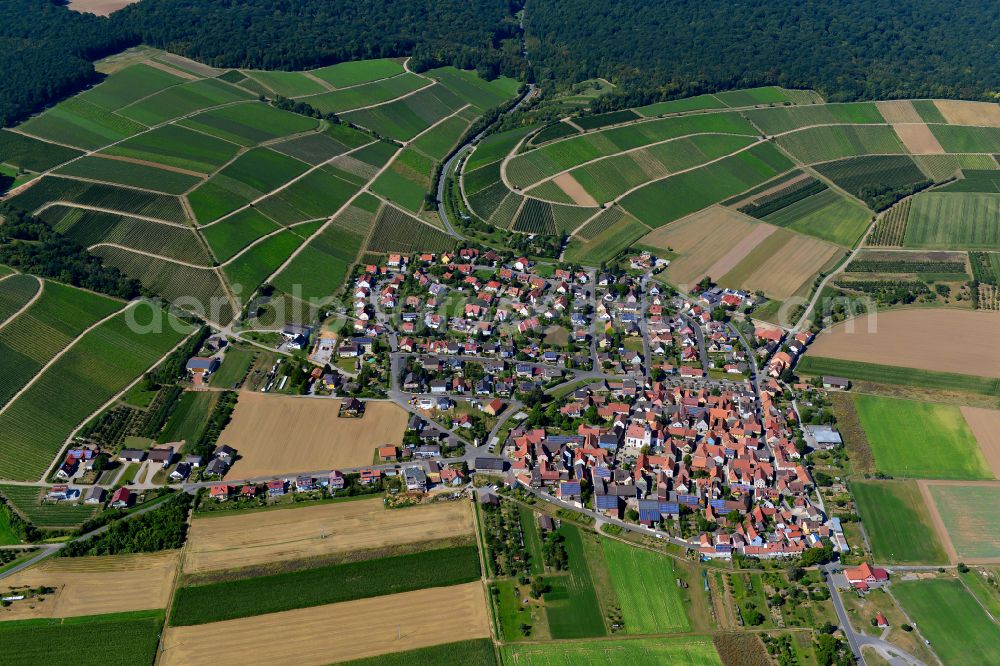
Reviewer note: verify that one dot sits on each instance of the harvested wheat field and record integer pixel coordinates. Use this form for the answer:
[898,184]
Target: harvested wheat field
[781,266]
[899,111]
[568,184]
[285,434]
[969,113]
[94,585]
[340,632]
[918,139]
[702,240]
[226,542]
[99,7]
[941,340]
[985,425]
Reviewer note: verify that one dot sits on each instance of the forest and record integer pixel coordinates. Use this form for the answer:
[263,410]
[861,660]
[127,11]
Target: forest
[845,49]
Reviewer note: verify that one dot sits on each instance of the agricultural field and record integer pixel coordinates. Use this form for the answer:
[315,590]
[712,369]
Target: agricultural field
[331,583]
[646,586]
[965,635]
[897,522]
[781,265]
[310,433]
[173,141]
[94,585]
[920,440]
[896,375]
[608,234]
[125,639]
[262,538]
[933,340]
[571,604]
[397,231]
[190,417]
[365,628]
[827,215]
[16,292]
[46,514]
[952,220]
[34,426]
[967,519]
[680,651]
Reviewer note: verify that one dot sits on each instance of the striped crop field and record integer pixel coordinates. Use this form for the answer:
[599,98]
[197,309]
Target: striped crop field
[49,325]
[100,364]
[954,220]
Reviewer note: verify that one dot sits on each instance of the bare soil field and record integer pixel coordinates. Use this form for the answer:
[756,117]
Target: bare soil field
[349,630]
[918,139]
[969,113]
[701,240]
[985,425]
[285,434]
[782,265]
[94,585]
[899,111]
[927,339]
[568,184]
[739,252]
[241,540]
[99,7]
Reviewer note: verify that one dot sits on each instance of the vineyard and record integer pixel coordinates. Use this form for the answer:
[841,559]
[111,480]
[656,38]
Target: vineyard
[535,218]
[985,267]
[28,153]
[786,118]
[45,514]
[99,195]
[36,335]
[822,144]
[130,174]
[91,371]
[857,174]
[775,201]
[904,266]
[15,292]
[396,231]
[891,226]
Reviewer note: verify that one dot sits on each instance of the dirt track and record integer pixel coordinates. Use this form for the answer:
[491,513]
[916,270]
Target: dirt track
[95,585]
[240,540]
[337,632]
[277,435]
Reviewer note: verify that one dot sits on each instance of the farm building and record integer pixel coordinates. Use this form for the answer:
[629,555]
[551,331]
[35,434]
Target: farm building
[821,437]
[865,576]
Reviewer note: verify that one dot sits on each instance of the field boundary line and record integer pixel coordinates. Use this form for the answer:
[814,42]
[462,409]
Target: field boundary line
[31,301]
[284,186]
[116,396]
[394,99]
[151,255]
[430,127]
[528,189]
[937,521]
[330,219]
[85,179]
[62,352]
[110,211]
[336,89]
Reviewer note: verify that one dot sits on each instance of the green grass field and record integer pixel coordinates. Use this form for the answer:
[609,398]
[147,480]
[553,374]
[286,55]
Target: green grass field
[969,515]
[964,635]
[897,523]
[646,585]
[7,535]
[324,585]
[680,651]
[920,440]
[954,220]
[891,374]
[828,216]
[571,604]
[234,367]
[190,417]
[120,639]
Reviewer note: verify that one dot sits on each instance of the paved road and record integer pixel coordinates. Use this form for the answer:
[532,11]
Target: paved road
[888,651]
